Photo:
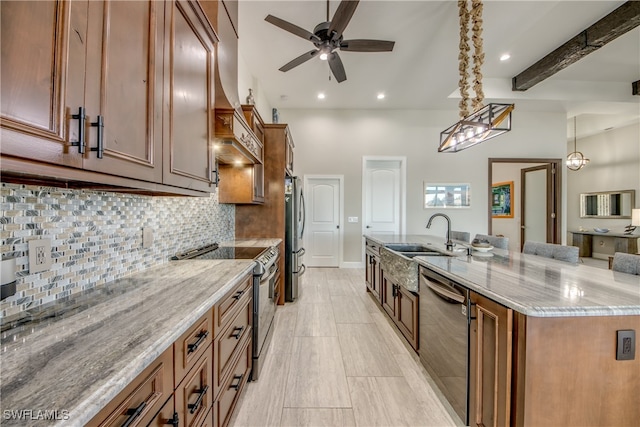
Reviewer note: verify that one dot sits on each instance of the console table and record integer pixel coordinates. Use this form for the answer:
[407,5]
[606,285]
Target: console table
[622,242]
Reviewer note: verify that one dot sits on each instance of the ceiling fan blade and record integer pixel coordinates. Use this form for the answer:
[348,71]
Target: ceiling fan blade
[363,45]
[293,29]
[299,60]
[335,63]
[342,17]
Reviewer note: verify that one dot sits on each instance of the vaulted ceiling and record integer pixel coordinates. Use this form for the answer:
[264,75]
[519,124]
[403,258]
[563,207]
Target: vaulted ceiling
[422,70]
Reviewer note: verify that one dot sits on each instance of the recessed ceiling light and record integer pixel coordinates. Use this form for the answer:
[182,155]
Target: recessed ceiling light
[504,57]
[381,96]
[321,95]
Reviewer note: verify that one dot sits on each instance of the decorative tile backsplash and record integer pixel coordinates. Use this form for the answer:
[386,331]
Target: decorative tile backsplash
[96,237]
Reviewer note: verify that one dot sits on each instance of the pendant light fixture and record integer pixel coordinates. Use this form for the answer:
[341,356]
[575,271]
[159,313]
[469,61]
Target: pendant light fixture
[487,121]
[576,160]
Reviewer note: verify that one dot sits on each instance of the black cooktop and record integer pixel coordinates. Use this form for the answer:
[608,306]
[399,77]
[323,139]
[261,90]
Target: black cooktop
[222,252]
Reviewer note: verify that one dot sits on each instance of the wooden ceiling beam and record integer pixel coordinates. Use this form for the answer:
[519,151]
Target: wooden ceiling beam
[623,19]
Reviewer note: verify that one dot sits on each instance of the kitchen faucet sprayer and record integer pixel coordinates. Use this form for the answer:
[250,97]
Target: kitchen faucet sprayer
[449,243]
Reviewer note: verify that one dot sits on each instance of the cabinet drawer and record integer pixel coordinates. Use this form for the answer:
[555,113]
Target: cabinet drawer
[141,400]
[229,341]
[191,345]
[194,395]
[166,416]
[233,386]
[226,309]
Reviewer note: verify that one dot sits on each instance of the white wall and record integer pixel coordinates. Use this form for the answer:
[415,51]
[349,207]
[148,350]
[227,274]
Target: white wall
[247,80]
[334,141]
[614,165]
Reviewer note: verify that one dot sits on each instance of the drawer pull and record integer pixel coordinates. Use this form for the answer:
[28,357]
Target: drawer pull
[136,413]
[201,337]
[193,407]
[236,386]
[237,332]
[174,421]
[237,295]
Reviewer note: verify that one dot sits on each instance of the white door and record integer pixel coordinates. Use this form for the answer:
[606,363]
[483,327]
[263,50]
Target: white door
[322,196]
[383,196]
[534,207]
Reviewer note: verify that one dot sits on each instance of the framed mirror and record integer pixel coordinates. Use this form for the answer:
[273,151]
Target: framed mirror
[607,204]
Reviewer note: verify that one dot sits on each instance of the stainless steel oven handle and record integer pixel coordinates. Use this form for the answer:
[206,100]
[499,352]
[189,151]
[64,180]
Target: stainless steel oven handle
[270,276]
[442,291]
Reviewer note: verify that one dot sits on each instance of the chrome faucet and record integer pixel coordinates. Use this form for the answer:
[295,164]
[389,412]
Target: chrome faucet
[449,243]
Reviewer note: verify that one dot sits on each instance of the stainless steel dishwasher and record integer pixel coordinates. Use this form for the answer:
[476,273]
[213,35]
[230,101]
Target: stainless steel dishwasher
[444,337]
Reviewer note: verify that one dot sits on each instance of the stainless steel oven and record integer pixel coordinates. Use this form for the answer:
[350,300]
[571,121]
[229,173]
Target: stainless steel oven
[265,291]
[444,337]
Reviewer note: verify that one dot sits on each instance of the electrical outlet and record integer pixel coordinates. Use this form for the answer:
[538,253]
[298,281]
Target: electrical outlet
[626,344]
[147,237]
[353,219]
[39,255]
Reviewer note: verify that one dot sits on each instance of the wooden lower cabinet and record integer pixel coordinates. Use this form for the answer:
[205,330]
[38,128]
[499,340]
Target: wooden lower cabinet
[141,400]
[193,397]
[490,364]
[402,306]
[373,273]
[550,371]
[166,416]
[233,385]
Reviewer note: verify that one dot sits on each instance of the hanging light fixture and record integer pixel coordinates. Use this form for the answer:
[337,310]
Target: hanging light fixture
[485,122]
[576,160]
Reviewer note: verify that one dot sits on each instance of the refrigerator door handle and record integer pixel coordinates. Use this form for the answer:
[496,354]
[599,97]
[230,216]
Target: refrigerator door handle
[301,271]
[300,252]
[302,214]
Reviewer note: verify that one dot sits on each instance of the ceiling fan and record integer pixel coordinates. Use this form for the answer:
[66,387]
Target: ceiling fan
[327,37]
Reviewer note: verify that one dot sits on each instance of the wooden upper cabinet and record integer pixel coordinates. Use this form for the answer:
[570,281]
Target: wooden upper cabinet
[124,87]
[42,78]
[189,156]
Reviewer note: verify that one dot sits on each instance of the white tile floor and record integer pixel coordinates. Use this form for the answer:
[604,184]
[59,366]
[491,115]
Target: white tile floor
[336,360]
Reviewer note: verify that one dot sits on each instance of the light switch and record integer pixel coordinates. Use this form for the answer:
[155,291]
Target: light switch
[353,219]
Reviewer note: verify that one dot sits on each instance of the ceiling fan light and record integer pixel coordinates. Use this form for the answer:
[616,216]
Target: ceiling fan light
[324,56]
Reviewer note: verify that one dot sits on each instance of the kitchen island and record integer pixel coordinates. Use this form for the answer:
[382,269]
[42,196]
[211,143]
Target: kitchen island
[546,338]
[65,362]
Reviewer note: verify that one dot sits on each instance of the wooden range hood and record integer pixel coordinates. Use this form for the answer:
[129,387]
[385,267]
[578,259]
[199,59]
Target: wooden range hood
[235,140]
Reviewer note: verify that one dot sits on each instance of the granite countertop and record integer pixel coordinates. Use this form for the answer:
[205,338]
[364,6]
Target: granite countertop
[606,234]
[533,285]
[79,354]
[251,242]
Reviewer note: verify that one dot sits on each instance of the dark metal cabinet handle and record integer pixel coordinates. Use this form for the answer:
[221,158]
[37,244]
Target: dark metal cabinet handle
[81,118]
[238,295]
[100,131]
[193,407]
[236,386]
[175,421]
[136,413]
[201,337]
[237,332]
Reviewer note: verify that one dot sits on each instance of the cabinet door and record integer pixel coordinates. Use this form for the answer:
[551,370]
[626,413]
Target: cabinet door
[490,363]
[42,78]
[407,313]
[124,87]
[189,93]
[388,296]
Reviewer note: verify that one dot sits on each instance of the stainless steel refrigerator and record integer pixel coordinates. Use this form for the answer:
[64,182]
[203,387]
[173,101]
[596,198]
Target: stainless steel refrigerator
[294,233]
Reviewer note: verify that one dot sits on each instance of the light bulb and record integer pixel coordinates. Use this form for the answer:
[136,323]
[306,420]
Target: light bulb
[324,56]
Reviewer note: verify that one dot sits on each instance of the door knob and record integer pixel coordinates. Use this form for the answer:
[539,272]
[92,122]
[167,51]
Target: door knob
[337,226]
[368,226]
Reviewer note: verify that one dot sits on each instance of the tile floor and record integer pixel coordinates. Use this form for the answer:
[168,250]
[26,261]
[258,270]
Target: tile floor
[336,360]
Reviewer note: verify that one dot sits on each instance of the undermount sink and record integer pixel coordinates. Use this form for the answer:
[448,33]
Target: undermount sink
[415,254]
[410,248]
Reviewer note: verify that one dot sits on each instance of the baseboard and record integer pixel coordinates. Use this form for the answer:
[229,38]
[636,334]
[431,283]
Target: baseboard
[352,265]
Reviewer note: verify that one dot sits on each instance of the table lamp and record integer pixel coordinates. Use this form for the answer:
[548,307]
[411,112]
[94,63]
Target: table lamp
[635,221]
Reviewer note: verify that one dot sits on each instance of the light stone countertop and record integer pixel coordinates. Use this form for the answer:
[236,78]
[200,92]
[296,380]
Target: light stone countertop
[533,285]
[251,242]
[79,360]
